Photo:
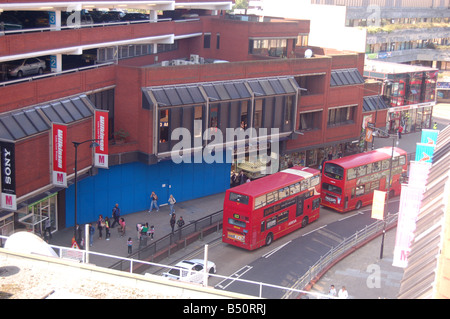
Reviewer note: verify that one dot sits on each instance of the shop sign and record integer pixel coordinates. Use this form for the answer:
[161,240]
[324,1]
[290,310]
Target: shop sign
[59,153]
[101,135]
[8,196]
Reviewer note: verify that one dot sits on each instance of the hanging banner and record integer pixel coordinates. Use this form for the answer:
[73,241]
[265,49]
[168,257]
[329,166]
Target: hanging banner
[410,202]
[424,152]
[429,136]
[379,198]
[8,198]
[59,153]
[101,136]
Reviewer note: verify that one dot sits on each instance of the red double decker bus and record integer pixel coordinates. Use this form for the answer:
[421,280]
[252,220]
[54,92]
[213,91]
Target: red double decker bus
[348,182]
[259,212]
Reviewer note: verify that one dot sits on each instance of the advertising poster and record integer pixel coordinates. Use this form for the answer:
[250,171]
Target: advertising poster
[59,154]
[8,198]
[101,136]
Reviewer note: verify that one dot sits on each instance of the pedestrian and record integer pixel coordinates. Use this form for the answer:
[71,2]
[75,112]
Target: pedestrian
[242,177]
[180,222]
[122,227]
[172,202]
[91,234]
[153,202]
[399,131]
[115,215]
[79,236]
[172,222]
[435,126]
[332,292]
[107,233]
[100,225]
[48,227]
[343,293]
[151,231]
[130,245]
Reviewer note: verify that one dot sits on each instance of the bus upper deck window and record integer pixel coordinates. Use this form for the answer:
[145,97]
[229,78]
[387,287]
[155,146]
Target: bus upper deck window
[243,199]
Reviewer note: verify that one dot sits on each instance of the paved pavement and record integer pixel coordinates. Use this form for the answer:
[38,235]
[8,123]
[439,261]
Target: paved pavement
[365,275]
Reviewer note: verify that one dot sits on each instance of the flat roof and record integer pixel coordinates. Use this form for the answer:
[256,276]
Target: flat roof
[393,68]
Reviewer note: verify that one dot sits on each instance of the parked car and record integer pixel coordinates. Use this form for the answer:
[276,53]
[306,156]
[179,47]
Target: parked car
[190,270]
[9,22]
[28,66]
[135,16]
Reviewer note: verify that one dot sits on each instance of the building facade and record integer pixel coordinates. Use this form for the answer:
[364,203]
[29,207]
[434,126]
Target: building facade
[189,69]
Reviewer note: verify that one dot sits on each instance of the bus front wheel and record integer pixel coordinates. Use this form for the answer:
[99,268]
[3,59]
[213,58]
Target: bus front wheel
[269,239]
[358,205]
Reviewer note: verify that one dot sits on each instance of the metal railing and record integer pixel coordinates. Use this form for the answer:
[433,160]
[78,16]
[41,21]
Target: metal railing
[350,244]
[135,263]
[169,244]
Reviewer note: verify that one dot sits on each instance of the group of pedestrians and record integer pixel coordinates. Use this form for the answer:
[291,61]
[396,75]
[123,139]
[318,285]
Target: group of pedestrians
[341,294]
[107,223]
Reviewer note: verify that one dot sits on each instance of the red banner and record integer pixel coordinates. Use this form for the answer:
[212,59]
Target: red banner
[101,136]
[59,141]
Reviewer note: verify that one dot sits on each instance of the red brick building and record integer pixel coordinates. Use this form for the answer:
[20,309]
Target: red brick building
[154,77]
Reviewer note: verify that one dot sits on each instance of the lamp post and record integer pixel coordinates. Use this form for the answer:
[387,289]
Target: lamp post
[76,144]
[387,197]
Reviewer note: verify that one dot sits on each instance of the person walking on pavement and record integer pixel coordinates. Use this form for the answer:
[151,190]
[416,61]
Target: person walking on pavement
[400,130]
[107,233]
[151,231]
[115,215]
[435,126]
[172,202]
[122,227]
[91,234]
[180,222]
[343,293]
[153,202]
[332,292]
[48,227]
[79,236]
[173,222]
[100,225]
[130,245]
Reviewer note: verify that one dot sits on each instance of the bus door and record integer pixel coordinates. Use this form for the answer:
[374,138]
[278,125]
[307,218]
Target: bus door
[300,204]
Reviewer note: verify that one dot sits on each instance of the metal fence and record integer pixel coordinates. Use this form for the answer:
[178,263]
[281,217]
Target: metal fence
[169,244]
[343,249]
[148,256]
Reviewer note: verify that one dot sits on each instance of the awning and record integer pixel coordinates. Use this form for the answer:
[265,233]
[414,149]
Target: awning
[346,77]
[200,93]
[374,103]
[36,119]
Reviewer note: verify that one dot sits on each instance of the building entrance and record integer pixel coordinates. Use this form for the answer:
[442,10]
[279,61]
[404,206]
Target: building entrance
[40,215]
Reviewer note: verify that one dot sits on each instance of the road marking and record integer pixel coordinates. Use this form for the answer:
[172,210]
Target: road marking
[270,253]
[312,231]
[358,213]
[235,276]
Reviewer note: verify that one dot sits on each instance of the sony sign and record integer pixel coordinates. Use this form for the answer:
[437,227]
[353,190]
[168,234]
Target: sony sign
[8,197]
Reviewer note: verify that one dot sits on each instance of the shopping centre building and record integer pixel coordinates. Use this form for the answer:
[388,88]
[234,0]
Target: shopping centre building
[188,65]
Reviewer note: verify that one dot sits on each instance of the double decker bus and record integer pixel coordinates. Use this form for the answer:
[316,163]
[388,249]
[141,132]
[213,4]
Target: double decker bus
[348,182]
[259,212]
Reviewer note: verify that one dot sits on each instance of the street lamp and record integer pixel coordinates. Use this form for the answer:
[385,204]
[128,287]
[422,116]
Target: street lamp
[76,144]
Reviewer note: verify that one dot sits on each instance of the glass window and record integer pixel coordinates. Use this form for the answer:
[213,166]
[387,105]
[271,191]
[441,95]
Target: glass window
[243,199]
[351,173]
[315,180]
[207,40]
[236,222]
[334,171]
[332,188]
[359,190]
[305,184]
[163,126]
[260,201]
[282,193]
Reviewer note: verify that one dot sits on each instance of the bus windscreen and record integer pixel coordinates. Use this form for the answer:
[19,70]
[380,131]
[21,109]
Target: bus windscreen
[333,171]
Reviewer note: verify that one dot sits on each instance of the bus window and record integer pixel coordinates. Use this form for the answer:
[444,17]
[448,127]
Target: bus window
[332,188]
[282,193]
[305,184]
[376,167]
[385,164]
[359,190]
[361,171]
[334,171]
[243,199]
[395,161]
[236,222]
[351,173]
[260,201]
[315,180]
[295,188]
[316,203]
[402,160]
[272,197]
